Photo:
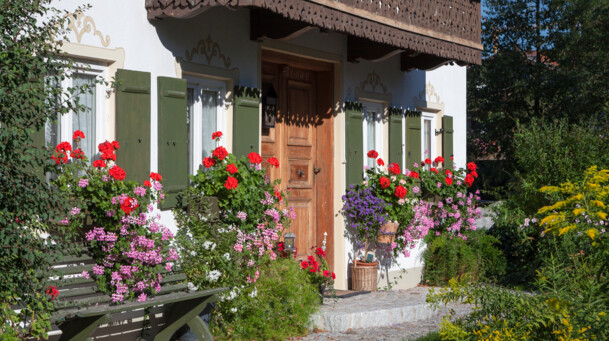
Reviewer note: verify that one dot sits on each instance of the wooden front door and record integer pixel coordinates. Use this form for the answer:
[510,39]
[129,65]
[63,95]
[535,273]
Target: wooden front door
[302,141]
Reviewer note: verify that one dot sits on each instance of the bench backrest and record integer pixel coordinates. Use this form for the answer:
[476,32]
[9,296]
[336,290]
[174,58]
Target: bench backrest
[76,291]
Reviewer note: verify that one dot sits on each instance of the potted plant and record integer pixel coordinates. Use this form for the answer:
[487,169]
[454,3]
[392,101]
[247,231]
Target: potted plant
[319,271]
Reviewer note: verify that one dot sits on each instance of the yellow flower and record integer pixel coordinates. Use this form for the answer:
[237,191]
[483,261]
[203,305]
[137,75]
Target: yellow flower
[552,219]
[592,233]
[602,215]
[566,229]
[597,203]
[578,211]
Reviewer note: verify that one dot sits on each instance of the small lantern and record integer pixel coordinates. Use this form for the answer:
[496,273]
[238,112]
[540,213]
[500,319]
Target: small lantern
[289,241]
[269,108]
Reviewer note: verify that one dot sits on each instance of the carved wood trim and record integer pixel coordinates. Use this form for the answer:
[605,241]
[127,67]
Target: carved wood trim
[410,24]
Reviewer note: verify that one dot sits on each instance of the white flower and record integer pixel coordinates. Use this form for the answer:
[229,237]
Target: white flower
[254,293]
[209,245]
[222,230]
[227,256]
[191,287]
[233,310]
[193,253]
[213,275]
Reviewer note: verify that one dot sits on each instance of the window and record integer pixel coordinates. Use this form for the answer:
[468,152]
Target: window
[373,131]
[205,116]
[428,144]
[91,121]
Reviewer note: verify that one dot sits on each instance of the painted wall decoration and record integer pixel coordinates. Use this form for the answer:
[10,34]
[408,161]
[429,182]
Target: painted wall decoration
[81,24]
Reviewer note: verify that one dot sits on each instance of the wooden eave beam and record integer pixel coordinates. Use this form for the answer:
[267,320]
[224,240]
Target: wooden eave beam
[265,24]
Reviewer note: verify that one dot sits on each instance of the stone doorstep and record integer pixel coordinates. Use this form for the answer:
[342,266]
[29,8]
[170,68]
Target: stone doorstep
[341,321]
[376,309]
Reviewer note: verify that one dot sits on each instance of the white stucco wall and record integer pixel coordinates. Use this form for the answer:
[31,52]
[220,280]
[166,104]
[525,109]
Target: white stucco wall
[155,47]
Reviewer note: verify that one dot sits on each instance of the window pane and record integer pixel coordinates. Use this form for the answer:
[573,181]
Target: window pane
[427,140]
[85,120]
[51,133]
[190,94]
[371,136]
[209,102]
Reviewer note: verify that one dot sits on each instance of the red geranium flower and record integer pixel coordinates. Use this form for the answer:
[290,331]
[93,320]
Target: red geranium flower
[401,191]
[394,168]
[469,180]
[320,252]
[414,175]
[433,170]
[281,246]
[474,174]
[99,163]
[428,161]
[254,158]
[449,181]
[447,171]
[64,147]
[333,276]
[109,156]
[438,160]
[278,195]
[60,157]
[232,168]
[385,182]
[304,264]
[52,291]
[147,183]
[208,162]
[216,136]
[471,166]
[155,176]
[105,147]
[326,273]
[127,206]
[117,173]
[373,154]
[380,162]
[231,183]
[78,135]
[77,154]
[274,162]
[220,153]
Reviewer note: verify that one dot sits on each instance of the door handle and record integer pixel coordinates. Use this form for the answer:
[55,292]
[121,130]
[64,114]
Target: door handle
[316,170]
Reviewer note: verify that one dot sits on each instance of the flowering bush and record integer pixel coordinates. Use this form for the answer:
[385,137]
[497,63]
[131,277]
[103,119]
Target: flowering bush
[318,269]
[129,244]
[236,248]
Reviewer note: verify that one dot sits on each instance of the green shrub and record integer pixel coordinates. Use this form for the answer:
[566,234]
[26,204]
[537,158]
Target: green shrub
[282,307]
[447,257]
[548,153]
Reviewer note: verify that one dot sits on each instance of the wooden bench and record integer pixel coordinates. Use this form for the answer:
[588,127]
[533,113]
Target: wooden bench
[80,307]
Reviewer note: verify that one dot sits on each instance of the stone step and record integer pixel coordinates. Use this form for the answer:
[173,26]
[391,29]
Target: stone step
[375,309]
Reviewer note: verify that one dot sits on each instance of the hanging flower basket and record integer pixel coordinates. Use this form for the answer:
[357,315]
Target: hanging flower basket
[387,233]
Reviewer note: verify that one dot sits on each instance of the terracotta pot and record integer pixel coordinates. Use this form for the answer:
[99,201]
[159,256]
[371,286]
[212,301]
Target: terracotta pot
[387,233]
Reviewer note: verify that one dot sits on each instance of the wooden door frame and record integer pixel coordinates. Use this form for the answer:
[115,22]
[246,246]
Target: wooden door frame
[324,159]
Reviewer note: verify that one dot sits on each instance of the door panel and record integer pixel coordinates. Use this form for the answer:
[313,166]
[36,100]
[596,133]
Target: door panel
[302,120]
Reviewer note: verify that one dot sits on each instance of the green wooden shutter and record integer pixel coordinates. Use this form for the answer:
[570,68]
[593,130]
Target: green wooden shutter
[395,136]
[447,141]
[133,123]
[173,138]
[246,122]
[413,138]
[354,133]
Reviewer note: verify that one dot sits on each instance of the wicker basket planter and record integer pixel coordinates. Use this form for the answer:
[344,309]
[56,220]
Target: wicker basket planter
[364,276]
[387,233]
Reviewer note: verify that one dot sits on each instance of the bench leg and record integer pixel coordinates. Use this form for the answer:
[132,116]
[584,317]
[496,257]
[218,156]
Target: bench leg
[80,329]
[199,327]
[182,313]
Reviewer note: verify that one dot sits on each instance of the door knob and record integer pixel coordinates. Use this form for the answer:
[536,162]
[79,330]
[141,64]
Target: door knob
[316,170]
[300,173]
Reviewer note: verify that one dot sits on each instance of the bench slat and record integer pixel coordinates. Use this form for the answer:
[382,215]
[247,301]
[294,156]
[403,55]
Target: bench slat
[72,292]
[73,270]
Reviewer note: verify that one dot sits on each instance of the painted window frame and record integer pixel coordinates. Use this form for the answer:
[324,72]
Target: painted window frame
[64,122]
[378,109]
[196,138]
[430,117]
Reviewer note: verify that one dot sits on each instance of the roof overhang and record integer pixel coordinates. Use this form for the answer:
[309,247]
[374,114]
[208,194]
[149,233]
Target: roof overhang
[427,33]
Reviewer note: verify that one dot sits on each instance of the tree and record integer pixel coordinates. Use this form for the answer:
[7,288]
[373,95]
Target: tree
[31,64]
[547,59]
